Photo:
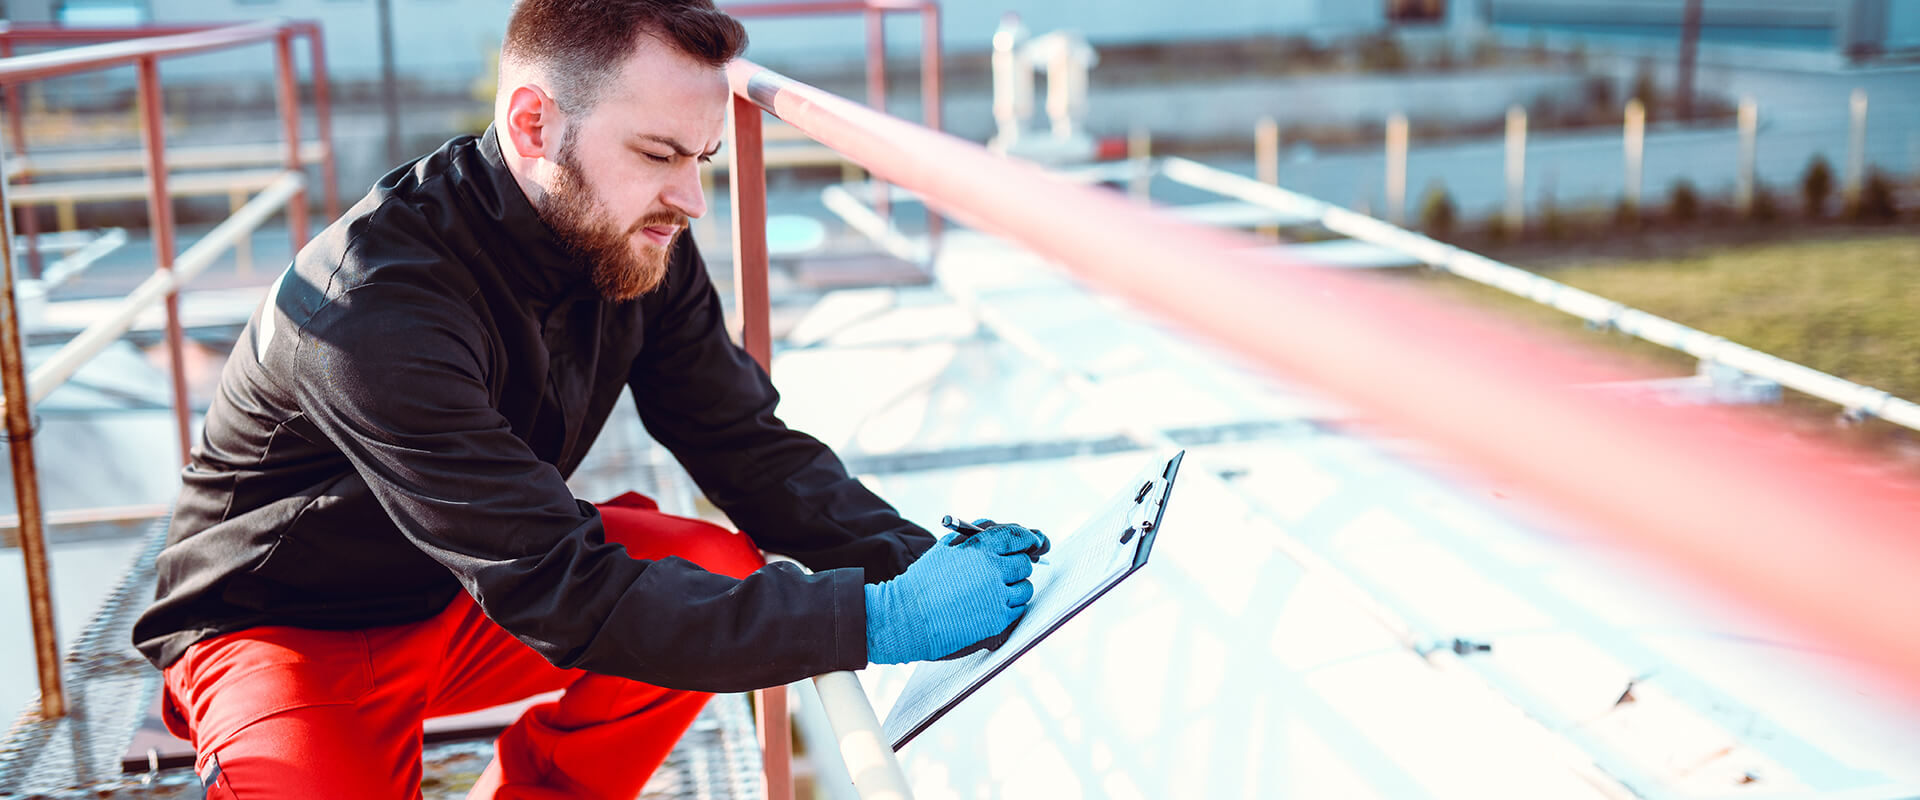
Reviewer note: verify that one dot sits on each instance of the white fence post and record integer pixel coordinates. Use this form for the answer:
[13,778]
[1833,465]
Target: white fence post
[1746,181]
[1856,146]
[1266,161]
[1636,144]
[1397,169]
[1516,169]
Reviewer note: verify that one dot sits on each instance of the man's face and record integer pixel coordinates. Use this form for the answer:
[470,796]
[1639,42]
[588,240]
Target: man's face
[626,177]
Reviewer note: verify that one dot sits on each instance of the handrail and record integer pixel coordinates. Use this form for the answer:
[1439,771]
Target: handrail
[1810,534]
[1855,398]
[875,11]
[62,366]
[49,33]
[120,46]
[37,66]
[144,54]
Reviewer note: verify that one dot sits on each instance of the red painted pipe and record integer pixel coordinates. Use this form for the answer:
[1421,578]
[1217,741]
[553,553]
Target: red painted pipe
[153,135]
[877,94]
[1810,534]
[287,84]
[930,99]
[323,118]
[747,175]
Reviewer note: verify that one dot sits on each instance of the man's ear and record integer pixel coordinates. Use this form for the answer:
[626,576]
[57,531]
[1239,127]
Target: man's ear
[533,121]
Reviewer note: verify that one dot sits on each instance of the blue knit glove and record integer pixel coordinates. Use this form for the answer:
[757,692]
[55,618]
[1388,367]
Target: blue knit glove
[964,595]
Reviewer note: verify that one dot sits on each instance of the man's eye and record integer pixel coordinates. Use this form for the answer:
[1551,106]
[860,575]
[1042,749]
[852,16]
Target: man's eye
[658,159]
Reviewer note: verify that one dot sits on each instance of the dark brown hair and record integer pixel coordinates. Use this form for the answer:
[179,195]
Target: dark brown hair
[580,44]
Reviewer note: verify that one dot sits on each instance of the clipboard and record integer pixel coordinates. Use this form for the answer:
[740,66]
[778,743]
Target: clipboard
[1114,543]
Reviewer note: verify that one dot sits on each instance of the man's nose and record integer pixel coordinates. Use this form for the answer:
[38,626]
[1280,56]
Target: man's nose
[683,194]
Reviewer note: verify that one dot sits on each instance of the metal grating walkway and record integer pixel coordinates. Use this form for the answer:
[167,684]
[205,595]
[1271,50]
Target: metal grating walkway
[111,687]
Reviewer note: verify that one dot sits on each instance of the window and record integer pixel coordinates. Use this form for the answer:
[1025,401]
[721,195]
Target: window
[102,13]
[1416,10]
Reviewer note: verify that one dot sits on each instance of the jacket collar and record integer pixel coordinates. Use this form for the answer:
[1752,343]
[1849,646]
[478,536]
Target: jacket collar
[538,263]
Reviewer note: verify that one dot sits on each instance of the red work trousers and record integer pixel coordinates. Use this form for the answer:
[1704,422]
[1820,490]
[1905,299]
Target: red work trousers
[279,712]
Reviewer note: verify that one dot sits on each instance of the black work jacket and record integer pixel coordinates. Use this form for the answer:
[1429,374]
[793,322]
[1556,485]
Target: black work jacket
[396,423]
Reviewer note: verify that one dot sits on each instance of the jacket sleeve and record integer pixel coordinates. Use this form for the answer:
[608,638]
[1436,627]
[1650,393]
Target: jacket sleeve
[417,424]
[708,402]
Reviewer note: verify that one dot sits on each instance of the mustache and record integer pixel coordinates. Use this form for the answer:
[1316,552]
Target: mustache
[660,218]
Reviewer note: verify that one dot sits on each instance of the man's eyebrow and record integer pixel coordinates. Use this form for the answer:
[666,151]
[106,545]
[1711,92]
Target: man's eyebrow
[674,145]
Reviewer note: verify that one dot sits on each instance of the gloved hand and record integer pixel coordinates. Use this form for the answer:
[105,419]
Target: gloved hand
[1007,538]
[964,595]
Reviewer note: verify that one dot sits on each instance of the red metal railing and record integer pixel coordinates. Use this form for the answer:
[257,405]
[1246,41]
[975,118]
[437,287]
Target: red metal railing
[875,12]
[142,50]
[181,41]
[1814,536]
[748,186]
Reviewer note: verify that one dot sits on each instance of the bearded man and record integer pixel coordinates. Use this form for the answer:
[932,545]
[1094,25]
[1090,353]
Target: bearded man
[374,527]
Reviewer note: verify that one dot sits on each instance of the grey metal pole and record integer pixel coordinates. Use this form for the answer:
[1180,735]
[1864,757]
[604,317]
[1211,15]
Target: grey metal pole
[1689,56]
[26,483]
[389,84]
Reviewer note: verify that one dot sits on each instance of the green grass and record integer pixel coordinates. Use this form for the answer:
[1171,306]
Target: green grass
[1849,307]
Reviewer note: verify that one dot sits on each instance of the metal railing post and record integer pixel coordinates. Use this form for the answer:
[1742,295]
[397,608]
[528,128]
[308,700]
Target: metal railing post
[747,177]
[877,94]
[17,128]
[287,82]
[930,98]
[26,485]
[323,119]
[160,210]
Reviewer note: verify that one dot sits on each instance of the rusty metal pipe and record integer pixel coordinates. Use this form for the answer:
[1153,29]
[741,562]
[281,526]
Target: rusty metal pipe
[26,486]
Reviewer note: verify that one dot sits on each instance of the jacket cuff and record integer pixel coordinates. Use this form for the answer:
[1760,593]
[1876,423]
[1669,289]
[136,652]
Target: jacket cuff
[849,603]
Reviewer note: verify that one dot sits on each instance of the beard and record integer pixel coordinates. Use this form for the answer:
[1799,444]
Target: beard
[620,272]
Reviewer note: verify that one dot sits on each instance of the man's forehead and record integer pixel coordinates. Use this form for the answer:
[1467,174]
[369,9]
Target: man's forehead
[665,94]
